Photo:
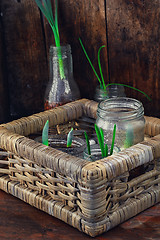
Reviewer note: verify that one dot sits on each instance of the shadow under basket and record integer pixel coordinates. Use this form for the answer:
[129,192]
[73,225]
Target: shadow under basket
[90,196]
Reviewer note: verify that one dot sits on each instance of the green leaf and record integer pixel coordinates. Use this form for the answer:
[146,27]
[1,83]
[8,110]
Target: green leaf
[70,138]
[88,144]
[121,84]
[90,63]
[49,7]
[100,140]
[102,135]
[106,150]
[129,137]
[113,139]
[45,133]
[46,8]
[100,68]
[56,16]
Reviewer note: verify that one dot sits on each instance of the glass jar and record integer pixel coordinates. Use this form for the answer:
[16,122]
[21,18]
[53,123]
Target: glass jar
[128,115]
[60,143]
[96,152]
[111,91]
[61,87]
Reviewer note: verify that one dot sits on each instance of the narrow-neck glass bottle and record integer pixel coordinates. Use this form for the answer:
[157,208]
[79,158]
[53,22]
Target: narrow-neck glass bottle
[61,87]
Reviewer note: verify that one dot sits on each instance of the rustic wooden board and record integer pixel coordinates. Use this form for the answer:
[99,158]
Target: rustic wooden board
[89,24]
[134,53]
[4,105]
[25,53]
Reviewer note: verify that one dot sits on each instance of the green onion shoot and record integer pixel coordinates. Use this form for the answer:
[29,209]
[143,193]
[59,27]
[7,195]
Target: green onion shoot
[121,84]
[129,137]
[88,143]
[106,150]
[101,81]
[45,133]
[46,8]
[100,137]
[70,138]
[113,139]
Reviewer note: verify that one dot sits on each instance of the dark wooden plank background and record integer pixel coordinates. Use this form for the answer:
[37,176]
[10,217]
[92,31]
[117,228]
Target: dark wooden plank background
[4,103]
[129,29]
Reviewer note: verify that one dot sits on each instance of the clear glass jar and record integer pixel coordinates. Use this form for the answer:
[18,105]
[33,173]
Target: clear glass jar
[96,152]
[60,143]
[128,115]
[61,87]
[111,91]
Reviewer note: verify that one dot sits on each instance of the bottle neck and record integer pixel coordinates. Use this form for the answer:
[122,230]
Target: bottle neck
[61,51]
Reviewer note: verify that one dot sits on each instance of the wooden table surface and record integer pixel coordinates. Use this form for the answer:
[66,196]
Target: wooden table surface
[20,221]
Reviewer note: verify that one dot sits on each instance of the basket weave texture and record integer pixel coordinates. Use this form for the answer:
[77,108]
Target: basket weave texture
[91,196]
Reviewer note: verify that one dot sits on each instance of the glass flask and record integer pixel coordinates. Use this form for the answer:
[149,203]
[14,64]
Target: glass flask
[61,87]
[128,115]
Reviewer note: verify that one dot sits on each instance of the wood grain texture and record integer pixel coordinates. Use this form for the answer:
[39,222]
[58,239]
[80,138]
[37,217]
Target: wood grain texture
[19,220]
[90,26]
[4,104]
[25,53]
[134,53]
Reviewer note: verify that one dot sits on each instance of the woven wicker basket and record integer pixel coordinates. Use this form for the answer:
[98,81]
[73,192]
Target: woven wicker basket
[91,196]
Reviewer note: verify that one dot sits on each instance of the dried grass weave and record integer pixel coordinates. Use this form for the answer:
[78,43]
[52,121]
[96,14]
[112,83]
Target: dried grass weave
[91,196]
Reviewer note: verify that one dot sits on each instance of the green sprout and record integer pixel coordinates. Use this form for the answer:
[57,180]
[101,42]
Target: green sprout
[88,144]
[70,138]
[100,136]
[121,84]
[129,137]
[101,81]
[46,8]
[104,147]
[113,139]
[45,133]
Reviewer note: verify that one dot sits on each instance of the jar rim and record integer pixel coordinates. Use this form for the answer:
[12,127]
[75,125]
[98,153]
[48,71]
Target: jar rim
[120,108]
[114,87]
